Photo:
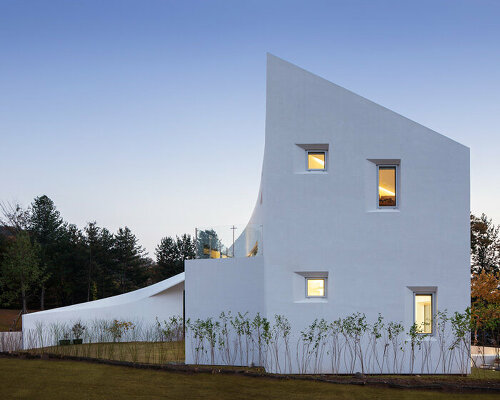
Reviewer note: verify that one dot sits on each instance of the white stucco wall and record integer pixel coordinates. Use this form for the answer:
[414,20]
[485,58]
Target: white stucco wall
[221,285]
[328,222]
[161,300]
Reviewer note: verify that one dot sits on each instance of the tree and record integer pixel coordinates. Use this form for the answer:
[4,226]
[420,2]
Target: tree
[485,308]
[186,246]
[130,258]
[45,224]
[92,242]
[69,260]
[101,262]
[171,254]
[14,218]
[167,258]
[106,263]
[20,270]
[485,287]
[485,245]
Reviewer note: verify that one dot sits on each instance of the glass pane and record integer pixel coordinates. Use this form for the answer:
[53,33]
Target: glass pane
[387,186]
[315,288]
[423,312]
[316,160]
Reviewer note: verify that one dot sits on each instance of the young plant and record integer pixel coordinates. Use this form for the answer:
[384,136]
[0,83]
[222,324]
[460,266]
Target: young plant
[394,331]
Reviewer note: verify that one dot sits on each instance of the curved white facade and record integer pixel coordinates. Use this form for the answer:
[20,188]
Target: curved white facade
[328,224]
[143,306]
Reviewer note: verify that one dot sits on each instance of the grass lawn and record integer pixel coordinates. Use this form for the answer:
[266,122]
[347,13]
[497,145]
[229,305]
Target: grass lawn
[39,379]
[476,374]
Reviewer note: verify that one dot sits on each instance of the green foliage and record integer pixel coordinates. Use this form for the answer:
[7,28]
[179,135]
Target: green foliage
[171,254]
[77,265]
[171,329]
[131,269]
[485,245]
[20,270]
[118,328]
[78,329]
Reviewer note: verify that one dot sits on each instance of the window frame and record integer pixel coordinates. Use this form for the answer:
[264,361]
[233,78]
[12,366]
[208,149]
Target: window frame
[396,184]
[315,278]
[433,310]
[324,152]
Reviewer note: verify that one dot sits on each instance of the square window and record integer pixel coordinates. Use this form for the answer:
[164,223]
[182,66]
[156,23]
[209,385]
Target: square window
[316,160]
[315,287]
[387,189]
[423,312]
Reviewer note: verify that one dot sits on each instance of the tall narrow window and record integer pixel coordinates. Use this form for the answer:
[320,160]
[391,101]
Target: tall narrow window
[423,313]
[387,191]
[316,161]
[315,287]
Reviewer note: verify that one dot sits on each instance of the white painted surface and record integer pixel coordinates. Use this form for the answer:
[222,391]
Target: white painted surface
[329,221]
[222,285]
[161,300]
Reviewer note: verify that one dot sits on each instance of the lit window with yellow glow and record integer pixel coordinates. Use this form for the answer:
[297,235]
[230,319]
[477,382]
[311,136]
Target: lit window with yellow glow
[387,186]
[316,161]
[315,287]
[423,313]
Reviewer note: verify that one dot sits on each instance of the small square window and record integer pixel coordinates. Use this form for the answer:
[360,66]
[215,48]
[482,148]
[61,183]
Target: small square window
[315,287]
[387,188]
[316,161]
[423,312]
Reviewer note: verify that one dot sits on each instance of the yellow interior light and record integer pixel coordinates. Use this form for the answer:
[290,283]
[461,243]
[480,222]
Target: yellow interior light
[316,161]
[315,288]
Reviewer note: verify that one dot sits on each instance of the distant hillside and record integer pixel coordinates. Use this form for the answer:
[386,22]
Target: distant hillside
[7,318]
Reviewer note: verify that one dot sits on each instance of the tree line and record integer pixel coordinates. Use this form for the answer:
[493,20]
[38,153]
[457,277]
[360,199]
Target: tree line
[46,262]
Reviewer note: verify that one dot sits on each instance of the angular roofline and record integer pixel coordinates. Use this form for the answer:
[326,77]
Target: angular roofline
[272,56]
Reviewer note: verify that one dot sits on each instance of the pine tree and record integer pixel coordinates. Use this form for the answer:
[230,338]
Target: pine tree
[171,254]
[131,265]
[186,247]
[167,258]
[45,224]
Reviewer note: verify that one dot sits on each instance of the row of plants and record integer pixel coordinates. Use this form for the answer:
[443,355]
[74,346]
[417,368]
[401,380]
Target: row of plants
[159,342]
[346,345]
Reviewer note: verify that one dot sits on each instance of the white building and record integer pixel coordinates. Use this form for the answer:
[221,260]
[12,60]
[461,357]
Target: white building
[359,210]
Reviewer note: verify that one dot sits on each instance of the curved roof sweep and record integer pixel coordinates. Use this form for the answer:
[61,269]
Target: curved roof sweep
[121,299]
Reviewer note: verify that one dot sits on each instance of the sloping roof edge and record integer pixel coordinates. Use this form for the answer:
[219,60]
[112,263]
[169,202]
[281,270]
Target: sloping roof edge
[124,298]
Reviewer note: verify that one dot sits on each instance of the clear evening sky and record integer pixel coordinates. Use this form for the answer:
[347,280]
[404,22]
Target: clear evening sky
[151,114]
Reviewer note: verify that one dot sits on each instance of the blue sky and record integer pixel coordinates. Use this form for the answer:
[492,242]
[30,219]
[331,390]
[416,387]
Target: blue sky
[151,113]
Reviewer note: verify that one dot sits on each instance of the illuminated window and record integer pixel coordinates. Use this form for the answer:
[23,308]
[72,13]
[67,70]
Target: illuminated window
[423,312]
[387,190]
[316,161]
[315,287]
